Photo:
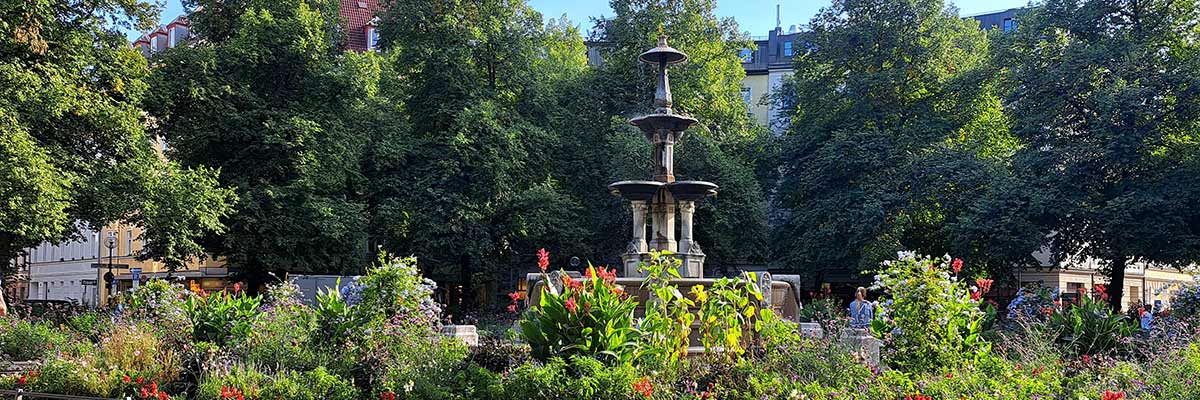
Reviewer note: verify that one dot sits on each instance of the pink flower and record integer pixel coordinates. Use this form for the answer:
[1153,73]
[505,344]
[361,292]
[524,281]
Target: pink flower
[514,296]
[570,305]
[956,265]
[543,259]
[512,308]
[237,287]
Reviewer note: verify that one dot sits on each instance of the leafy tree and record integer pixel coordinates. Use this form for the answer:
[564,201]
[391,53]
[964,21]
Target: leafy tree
[262,95]
[895,137]
[1103,95]
[462,176]
[72,136]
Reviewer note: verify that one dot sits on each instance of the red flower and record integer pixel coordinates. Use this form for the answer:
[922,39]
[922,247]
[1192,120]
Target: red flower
[163,396]
[1113,395]
[570,304]
[153,387]
[125,378]
[1087,359]
[543,259]
[514,296]
[956,265]
[144,393]
[237,287]
[917,397]
[644,387]
[512,308]
[21,380]
[1101,289]
[141,380]
[387,396]
[985,285]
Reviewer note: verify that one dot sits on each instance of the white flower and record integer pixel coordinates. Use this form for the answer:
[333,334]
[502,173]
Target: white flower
[408,387]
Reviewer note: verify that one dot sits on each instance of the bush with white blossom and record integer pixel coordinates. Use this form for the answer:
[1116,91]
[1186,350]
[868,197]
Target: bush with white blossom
[931,319]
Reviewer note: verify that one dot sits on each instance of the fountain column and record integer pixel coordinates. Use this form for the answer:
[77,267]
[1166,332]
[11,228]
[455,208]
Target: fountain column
[638,244]
[664,223]
[686,210]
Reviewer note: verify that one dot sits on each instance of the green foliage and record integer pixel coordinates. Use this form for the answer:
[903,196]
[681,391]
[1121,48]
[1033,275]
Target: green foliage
[392,288]
[22,340]
[667,324]
[1112,80]
[73,148]
[317,384]
[1091,327]
[578,378]
[895,137]
[727,311]
[930,320]
[592,317]
[281,339]
[222,317]
[261,95]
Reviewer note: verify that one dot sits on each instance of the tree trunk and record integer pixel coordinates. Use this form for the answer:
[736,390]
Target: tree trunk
[1116,283]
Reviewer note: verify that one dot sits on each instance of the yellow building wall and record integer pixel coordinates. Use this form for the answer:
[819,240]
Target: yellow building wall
[759,88]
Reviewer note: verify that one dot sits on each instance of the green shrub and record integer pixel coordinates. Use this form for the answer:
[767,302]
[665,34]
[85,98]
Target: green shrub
[21,340]
[591,317]
[317,384]
[64,376]
[281,340]
[136,350]
[931,320]
[729,309]
[244,380]
[222,317]
[580,378]
[161,303]
[667,324]
[1090,327]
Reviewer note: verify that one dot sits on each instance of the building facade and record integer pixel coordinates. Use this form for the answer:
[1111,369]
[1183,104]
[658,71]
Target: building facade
[768,65]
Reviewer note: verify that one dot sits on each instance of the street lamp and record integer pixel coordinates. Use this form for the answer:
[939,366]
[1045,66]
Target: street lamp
[109,278]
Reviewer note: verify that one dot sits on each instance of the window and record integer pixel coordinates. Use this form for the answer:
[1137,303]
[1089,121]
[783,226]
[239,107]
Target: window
[747,96]
[171,38]
[372,38]
[787,49]
[129,242]
[1135,296]
[746,55]
[1010,25]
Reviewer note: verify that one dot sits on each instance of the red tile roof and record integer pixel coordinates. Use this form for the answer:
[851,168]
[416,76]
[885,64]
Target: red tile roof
[356,15]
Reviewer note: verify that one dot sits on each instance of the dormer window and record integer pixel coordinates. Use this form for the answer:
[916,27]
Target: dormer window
[372,37]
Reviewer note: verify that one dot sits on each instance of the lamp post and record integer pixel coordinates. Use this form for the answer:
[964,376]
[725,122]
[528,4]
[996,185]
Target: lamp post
[109,278]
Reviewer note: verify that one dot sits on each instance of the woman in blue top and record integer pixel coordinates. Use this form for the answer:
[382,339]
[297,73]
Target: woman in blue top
[861,310]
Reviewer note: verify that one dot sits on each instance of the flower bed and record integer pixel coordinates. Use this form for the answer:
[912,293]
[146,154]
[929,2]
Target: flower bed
[375,338]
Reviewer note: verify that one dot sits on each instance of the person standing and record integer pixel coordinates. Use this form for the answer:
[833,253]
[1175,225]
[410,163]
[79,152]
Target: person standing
[3,306]
[861,310]
[1146,317]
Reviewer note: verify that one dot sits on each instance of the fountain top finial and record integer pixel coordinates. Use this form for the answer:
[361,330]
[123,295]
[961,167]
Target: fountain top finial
[663,54]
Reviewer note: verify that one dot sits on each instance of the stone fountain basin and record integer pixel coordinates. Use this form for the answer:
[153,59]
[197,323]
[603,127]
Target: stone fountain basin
[635,190]
[692,190]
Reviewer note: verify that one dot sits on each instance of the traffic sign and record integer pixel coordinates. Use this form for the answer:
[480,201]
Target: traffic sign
[87,282]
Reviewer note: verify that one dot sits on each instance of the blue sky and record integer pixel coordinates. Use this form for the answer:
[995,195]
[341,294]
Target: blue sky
[755,16]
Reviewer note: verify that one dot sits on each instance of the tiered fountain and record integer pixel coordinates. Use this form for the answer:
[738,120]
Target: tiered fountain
[662,197]
[659,196]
